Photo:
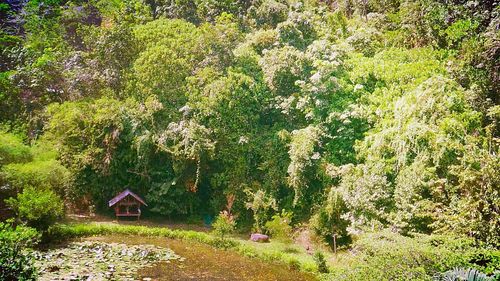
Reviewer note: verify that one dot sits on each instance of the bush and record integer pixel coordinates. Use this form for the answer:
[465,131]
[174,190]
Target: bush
[48,173]
[279,227]
[37,208]
[319,259]
[224,224]
[16,261]
[12,149]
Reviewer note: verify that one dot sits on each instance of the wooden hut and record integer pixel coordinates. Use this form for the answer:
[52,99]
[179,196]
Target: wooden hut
[127,204]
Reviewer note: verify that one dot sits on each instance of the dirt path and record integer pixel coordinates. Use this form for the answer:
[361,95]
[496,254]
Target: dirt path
[304,240]
[203,262]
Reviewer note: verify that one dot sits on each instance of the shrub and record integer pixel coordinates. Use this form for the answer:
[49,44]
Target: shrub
[12,149]
[224,224]
[319,259]
[48,173]
[365,41]
[293,264]
[37,208]
[16,261]
[59,232]
[279,227]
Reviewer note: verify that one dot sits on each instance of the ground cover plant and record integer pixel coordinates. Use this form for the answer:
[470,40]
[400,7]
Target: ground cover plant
[16,253]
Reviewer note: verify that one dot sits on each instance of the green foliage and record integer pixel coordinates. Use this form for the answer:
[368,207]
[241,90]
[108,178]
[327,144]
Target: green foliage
[164,198]
[270,13]
[459,29]
[48,173]
[16,260]
[60,232]
[34,177]
[98,136]
[320,260]
[297,31]
[260,203]
[171,49]
[282,67]
[389,256]
[364,190]
[224,224]
[280,226]
[209,10]
[9,96]
[184,9]
[329,220]
[38,208]
[476,213]
[261,40]
[353,115]
[365,41]
[302,156]
[410,161]
[13,150]
[31,166]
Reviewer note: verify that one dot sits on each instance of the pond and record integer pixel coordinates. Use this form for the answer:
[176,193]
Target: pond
[190,261]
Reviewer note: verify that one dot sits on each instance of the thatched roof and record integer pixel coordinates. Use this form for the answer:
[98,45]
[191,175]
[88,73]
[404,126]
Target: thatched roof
[124,194]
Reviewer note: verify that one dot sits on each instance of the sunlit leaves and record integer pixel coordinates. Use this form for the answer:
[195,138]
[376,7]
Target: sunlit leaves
[302,155]
[12,149]
[282,67]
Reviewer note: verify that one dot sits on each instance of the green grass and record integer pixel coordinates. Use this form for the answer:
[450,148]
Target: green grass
[65,231]
[293,255]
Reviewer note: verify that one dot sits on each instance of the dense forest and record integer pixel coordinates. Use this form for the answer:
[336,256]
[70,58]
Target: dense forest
[346,117]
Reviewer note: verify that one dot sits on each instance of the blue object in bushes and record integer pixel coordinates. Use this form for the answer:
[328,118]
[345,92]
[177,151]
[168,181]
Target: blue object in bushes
[208,220]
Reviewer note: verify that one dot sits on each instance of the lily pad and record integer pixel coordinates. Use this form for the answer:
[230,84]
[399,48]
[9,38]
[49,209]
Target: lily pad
[93,260]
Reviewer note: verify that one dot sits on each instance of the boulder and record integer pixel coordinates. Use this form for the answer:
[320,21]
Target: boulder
[257,237]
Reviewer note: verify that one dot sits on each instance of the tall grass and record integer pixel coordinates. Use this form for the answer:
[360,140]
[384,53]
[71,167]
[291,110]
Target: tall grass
[67,231]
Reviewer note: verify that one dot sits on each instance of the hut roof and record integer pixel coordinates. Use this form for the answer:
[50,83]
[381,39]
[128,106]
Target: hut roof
[124,194]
